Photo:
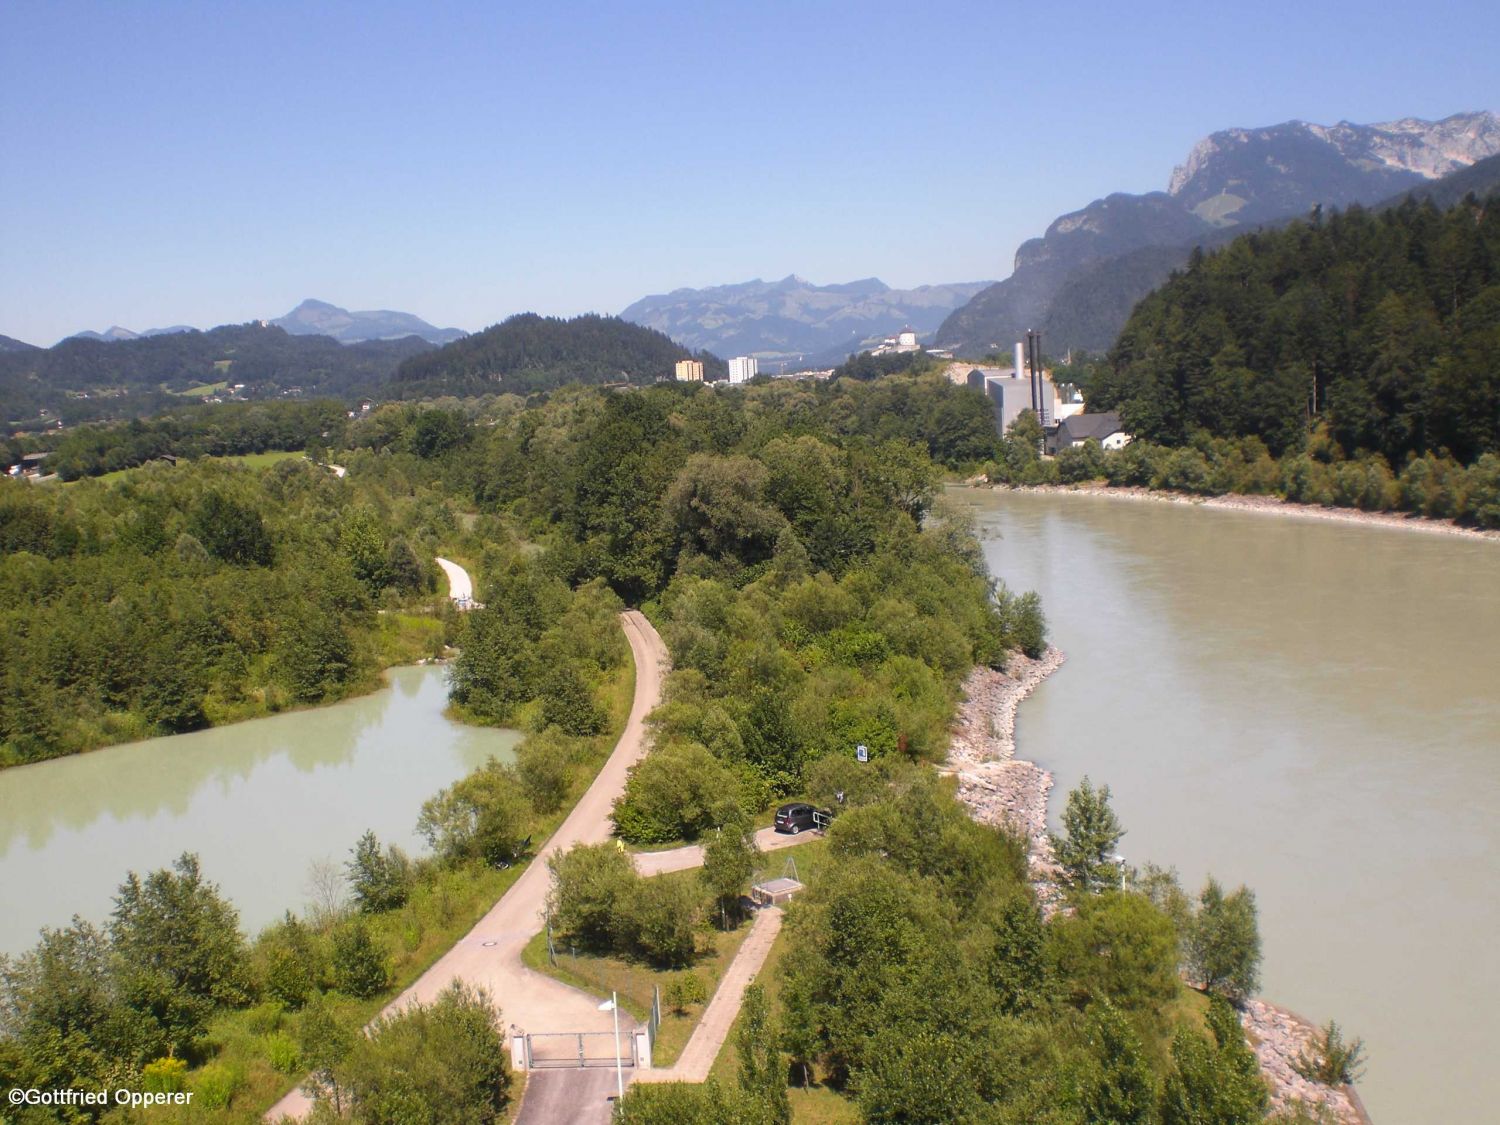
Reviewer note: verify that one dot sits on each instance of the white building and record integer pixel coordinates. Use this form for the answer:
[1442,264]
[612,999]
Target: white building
[901,342]
[689,371]
[743,368]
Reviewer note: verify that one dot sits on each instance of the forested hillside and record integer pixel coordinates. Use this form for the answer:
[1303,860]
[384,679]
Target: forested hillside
[537,353]
[81,380]
[1381,329]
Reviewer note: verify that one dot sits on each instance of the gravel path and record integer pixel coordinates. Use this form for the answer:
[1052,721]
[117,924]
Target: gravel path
[460,586]
[490,954]
[697,1058]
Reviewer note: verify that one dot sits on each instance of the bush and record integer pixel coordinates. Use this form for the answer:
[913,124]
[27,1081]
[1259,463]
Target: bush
[1331,1061]
[542,763]
[283,1053]
[216,1084]
[672,794]
[663,916]
[483,816]
[432,1064]
[164,1076]
[685,989]
[591,885]
[358,963]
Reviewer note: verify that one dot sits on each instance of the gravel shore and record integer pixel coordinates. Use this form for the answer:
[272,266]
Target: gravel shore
[1000,788]
[1260,505]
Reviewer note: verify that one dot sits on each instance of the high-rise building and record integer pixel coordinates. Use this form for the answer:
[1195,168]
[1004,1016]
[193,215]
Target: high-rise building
[689,371]
[743,368]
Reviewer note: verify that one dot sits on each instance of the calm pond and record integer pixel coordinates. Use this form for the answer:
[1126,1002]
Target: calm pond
[259,801]
[1310,708]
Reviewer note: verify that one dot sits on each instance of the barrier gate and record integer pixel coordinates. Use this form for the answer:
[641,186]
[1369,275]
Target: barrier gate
[578,1049]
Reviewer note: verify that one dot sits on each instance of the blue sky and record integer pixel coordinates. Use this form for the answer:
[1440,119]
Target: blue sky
[206,163]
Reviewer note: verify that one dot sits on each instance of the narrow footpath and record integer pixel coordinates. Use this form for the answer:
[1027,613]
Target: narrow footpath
[697,1058]
[489,956]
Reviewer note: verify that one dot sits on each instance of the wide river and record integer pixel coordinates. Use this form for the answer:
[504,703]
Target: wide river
[1312,709]
[261,802]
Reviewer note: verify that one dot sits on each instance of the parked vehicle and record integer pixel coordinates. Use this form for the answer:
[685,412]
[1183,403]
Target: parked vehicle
[794,817]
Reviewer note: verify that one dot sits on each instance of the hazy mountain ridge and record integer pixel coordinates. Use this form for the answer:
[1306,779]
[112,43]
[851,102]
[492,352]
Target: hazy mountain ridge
[315,318]
[795,317]
[320,318]
[1079,281]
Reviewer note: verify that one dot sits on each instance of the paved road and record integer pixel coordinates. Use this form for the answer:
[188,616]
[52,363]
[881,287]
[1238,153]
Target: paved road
[569,1097]
[680,859]
[460,587]
[490,955]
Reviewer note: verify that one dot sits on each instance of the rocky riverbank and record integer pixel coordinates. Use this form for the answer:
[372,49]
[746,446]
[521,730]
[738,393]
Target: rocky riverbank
[1279,1038]
[1259,505]
[999,788]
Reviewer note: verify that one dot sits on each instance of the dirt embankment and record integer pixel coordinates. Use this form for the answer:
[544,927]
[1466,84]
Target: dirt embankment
[1000,788]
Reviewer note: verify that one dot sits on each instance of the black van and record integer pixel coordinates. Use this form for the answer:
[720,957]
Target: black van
[794,818]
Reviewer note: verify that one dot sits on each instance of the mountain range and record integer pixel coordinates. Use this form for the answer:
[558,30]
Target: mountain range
[317,318]
[1079,281]
[793,318]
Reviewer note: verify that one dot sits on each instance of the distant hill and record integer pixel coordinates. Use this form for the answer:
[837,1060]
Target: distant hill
[316,318]
[83,379]
[535,353]
[7,344]
[319,318]
[793,317]
[1078,282]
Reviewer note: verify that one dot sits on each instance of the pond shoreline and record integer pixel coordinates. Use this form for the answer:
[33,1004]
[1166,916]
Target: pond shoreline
[999,788]
[1258,505]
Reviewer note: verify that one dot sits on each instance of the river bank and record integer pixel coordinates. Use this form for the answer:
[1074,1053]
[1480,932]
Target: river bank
[1260,505]
[999,788]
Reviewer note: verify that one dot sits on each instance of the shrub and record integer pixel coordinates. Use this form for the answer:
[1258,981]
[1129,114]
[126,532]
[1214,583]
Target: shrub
[358,963]
[164,1076]
[672,794]
[1330,1060]
[215,1084]
[283,1054]
[684,989]
[542,764]
[663,916]
[590,886]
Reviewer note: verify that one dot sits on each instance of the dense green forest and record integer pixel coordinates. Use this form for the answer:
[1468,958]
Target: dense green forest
[136,378]
[536,353]
[194,595]
[1380,331]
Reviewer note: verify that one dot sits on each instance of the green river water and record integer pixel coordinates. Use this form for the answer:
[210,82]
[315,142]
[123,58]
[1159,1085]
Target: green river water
[1313,709]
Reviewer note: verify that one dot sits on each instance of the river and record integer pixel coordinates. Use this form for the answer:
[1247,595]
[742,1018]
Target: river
[1312,709]
[259,801]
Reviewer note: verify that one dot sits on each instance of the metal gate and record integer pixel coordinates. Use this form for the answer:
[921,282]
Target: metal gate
[578,1048]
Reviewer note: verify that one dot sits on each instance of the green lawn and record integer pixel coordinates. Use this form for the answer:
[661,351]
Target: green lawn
[634,979]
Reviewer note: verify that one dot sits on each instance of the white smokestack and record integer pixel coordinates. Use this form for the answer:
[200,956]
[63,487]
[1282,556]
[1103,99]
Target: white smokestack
[1020,358]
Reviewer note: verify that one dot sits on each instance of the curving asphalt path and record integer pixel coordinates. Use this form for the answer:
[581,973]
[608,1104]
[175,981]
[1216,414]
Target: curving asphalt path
[490,954]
